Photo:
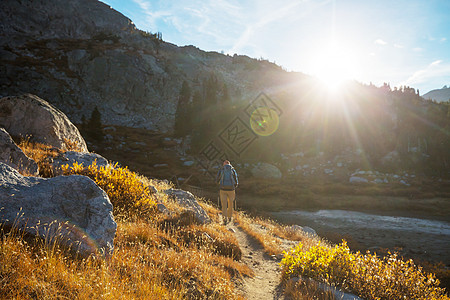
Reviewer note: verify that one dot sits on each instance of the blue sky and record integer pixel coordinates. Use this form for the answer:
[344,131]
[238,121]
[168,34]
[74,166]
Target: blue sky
[404,42]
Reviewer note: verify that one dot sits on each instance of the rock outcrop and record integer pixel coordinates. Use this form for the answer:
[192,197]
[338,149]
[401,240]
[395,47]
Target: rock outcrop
[70,209]
[14,157]
[70,157]
[56,19]
[356,179]
[31,116]
[304,229]
[265,170]
[80,54]
[188,201]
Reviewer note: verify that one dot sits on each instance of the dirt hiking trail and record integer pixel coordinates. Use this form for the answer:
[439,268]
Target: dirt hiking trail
[266,284]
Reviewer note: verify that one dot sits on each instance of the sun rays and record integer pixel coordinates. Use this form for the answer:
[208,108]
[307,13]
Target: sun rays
[335,64]
[337,122]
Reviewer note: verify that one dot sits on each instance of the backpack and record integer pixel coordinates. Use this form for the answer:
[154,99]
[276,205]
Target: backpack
[226,177]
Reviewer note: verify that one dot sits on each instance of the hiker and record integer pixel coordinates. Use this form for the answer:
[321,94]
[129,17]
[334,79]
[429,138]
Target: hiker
[228,180]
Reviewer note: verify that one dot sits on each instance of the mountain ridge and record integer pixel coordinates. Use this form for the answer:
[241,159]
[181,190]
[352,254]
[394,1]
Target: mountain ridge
[86,54]
[438,95]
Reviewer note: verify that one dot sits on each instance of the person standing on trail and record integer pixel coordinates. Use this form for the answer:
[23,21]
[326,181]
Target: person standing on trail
[227,178]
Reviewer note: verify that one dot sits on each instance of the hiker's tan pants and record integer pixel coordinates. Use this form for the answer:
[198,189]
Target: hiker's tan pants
[224,196]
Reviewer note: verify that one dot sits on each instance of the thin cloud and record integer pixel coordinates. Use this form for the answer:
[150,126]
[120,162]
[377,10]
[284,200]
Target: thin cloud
[435,39]
[215,19]
[417,49]
[380,42]
[144,5]
[264,19]
[398,46]
[151,16]
[435,69]
[193,20]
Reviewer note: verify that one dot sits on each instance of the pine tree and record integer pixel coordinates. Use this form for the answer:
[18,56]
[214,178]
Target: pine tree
[211,89]
[225,108]
[196,109]
[94,125]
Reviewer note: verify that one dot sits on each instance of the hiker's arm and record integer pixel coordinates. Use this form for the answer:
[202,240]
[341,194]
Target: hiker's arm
[236,177]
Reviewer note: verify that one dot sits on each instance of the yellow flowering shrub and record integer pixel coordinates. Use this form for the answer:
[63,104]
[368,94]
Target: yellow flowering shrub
[367,275]
[127,192]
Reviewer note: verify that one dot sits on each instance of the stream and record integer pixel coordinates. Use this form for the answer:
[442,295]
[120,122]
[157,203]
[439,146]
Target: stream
[412,237]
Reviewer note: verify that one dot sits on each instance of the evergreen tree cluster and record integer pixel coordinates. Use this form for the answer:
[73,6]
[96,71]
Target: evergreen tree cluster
[373,121]
[201,112]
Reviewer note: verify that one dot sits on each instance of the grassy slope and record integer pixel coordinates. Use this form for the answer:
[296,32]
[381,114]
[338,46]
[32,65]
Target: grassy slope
[424,198]
[156,256]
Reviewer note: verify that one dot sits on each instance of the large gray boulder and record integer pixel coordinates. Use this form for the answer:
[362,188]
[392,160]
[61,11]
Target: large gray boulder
[265,170]
[70,209]
[14,157]
[303,229]
[70,157]
[188,201]
[29,115]
[357,179]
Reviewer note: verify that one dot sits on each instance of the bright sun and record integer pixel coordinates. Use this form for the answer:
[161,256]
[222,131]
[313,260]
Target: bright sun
[333,65]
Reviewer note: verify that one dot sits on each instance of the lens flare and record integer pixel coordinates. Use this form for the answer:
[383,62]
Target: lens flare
[264,121]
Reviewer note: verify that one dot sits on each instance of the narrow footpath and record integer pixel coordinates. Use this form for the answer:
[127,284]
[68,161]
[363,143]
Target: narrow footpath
[266,282]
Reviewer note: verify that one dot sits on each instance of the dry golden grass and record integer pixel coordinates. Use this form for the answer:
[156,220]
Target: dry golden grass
[173,257]
[270,243]
[213,213]
[197,271]
[148,263]
[302,290]
[156,256]
[270,234]
[42,154]
[71,145]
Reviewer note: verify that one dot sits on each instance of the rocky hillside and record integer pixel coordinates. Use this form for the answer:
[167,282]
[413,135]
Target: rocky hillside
[81,54]
[438,95]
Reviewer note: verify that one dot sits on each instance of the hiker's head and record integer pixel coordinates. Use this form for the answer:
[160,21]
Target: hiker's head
[226,162]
